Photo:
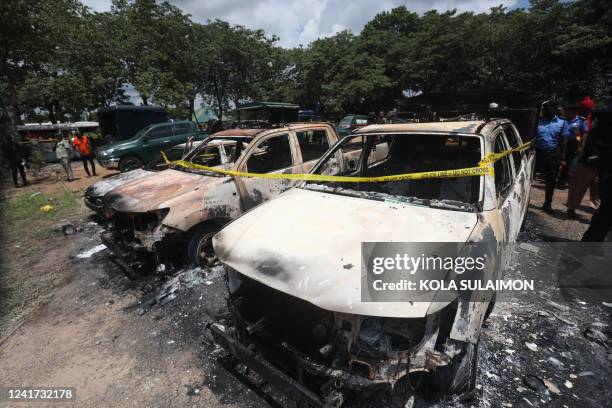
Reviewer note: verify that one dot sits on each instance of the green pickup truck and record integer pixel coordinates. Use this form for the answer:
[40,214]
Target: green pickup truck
[145,146]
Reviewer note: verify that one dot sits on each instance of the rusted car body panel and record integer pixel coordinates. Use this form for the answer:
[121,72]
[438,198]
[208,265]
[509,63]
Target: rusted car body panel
[186,199]
[304,248]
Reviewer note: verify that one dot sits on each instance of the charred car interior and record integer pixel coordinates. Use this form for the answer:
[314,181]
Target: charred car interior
[393,154]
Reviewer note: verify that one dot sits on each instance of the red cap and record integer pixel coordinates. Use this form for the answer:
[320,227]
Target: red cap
[587,103]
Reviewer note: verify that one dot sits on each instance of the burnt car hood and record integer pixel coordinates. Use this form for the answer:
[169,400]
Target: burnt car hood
[156,191]
[308,244]
[104,186]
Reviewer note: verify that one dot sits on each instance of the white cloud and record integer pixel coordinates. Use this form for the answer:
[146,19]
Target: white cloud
[302,21]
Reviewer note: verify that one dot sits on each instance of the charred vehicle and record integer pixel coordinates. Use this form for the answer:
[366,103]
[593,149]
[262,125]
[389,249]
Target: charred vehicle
[172,215]
[294,273]
[95,192]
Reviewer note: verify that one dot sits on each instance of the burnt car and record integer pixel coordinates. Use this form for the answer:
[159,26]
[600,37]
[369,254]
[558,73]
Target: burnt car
[95,192]
[302,250]
[170,216]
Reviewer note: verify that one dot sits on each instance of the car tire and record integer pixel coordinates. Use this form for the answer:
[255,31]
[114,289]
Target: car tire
[458,377]
[200,250]
[130,163]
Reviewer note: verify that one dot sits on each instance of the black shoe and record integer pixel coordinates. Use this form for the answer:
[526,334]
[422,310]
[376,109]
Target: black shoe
[572,213]
[547,208]
[562,186]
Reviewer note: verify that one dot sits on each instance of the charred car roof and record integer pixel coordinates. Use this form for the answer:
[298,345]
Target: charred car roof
[237,133]
[475,127]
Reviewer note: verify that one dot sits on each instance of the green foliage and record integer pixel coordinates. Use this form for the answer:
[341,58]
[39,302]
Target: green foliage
[60,56]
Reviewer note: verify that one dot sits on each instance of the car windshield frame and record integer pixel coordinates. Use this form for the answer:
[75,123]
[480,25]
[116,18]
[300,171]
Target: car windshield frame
[435,203]
[237,138]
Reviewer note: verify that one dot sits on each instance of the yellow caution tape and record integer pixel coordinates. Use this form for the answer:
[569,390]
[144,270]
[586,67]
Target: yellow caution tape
[484,167]
[493,157]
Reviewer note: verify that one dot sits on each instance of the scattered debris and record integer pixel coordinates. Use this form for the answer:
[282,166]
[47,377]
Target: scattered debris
[532,346]
[46,208]
[568,384]
[564,320]
[69,229]
[36,194]
[529,247]
[563,308]
[567,354]
[596,335]
[543,313]
[90,252]
[191,390]
[538,385]
[586,374]
[552,387]
[410,402]
[556,362]
[606,304]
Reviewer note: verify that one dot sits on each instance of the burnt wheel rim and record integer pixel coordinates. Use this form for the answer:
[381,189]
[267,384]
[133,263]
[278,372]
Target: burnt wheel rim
[205,254]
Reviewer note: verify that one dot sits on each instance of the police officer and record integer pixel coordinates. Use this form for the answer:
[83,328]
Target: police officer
[550,148]
[577,130]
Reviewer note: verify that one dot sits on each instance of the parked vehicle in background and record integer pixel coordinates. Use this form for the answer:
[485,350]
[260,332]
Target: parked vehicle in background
[145,146]
[122,122]
[308,115]
[302,250]
[350,123]
[269,113]
[171,216]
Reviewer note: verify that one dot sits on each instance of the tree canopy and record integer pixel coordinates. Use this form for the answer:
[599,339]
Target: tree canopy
[61,58]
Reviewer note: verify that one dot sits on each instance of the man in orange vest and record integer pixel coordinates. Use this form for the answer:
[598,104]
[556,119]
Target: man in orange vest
[83,146]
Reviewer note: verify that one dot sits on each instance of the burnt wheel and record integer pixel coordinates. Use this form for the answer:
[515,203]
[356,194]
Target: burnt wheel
[200,250]
[130,163]
[458,377]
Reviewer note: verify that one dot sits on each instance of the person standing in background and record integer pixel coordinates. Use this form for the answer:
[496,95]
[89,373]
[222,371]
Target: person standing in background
[577,130]
[12,150]
[62,152]
[601,154]
[584,176]
[550,148]
[83,146]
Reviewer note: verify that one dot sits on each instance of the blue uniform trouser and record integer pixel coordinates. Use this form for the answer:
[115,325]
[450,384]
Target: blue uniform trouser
[548,162]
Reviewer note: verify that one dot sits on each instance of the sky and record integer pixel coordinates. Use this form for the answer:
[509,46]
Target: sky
[302,21]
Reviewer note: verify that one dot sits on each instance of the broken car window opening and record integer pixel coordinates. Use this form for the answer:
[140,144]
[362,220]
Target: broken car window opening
[374,155]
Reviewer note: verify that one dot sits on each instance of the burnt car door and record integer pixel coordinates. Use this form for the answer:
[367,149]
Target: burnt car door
[312,143]
[273,154]
[523,163]
[506,199]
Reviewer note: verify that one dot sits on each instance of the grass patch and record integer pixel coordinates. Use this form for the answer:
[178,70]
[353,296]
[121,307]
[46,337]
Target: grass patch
[26,236]
[22,218]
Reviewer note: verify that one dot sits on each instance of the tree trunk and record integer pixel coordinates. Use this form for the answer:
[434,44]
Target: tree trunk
[51,110]
[220,108]
[192,110]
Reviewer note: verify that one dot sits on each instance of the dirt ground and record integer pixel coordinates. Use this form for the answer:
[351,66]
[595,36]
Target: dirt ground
[144,343]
